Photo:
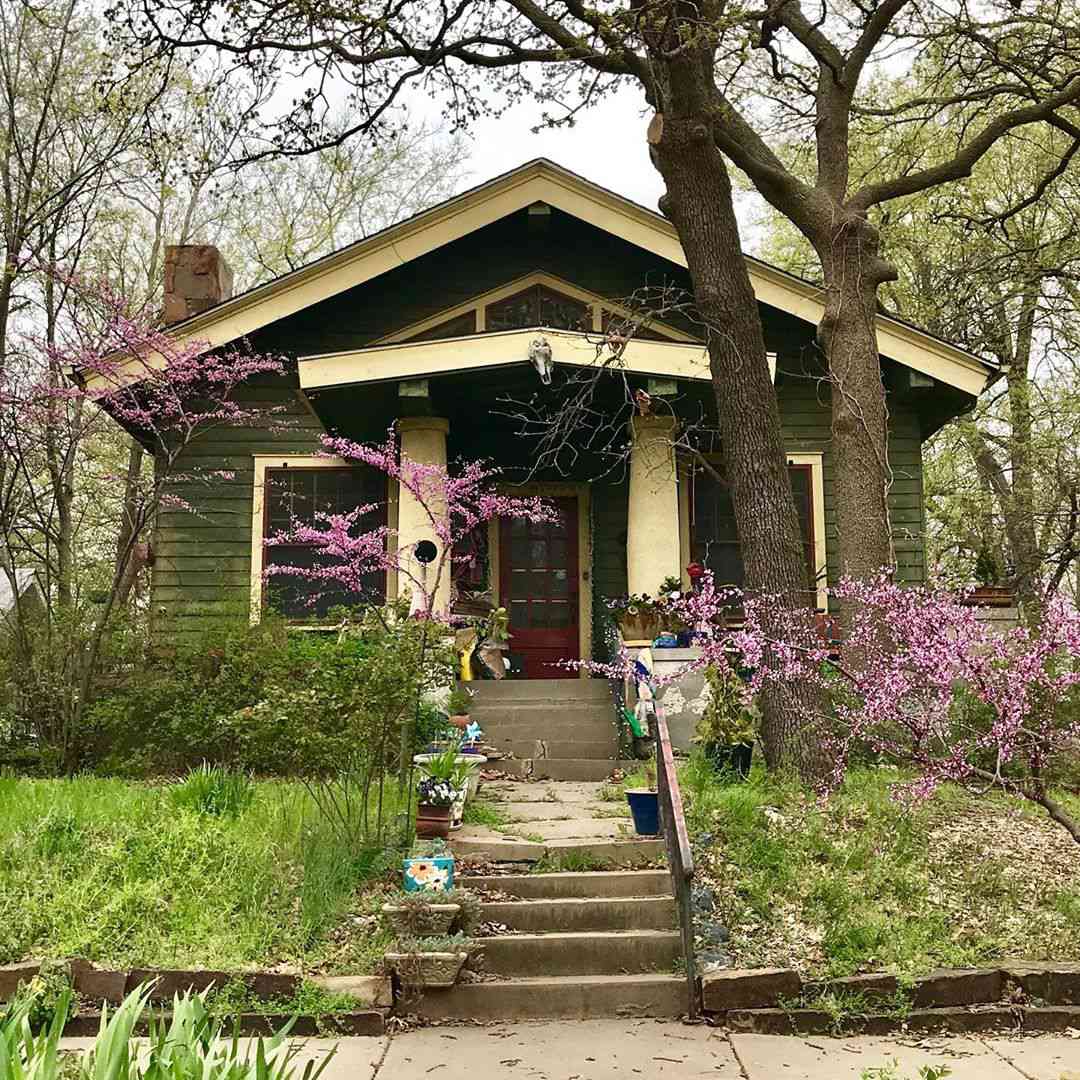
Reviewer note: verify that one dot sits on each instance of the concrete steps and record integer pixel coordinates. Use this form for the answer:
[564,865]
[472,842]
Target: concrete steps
[592,770]
[567,884]
[603,749]
[541,689]
[586,944]
[580,914]
[594,854]
[585,997]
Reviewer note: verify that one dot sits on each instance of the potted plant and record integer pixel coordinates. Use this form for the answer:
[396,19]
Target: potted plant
[434,805]
[645,805]
[429,867]
[416,915]
[429,961]
[728,725]
[637,616]
[458,705]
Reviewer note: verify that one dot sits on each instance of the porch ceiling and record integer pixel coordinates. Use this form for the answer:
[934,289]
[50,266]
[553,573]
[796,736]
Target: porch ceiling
[411,360]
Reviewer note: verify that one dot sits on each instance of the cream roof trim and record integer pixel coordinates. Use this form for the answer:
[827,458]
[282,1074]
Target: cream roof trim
[543,181]
[597,305]
[415,359]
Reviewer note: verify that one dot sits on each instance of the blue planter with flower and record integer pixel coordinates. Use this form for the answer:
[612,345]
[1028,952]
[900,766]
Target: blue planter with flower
[429,873]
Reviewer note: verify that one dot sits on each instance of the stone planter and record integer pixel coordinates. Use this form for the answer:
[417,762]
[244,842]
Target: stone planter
[427,969]
[436,919]
[639,629]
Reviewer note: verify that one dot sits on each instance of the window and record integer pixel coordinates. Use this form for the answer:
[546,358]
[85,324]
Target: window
[538,306]
[714,537]
[294,495]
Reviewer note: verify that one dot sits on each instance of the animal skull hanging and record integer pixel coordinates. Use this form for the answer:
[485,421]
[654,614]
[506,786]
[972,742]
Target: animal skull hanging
[540,358]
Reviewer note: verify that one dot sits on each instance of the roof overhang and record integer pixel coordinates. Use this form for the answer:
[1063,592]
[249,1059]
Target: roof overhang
[542,181]
[421,359]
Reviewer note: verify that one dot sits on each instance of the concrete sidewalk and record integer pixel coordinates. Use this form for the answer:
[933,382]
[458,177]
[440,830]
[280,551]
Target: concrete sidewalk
[622,1049]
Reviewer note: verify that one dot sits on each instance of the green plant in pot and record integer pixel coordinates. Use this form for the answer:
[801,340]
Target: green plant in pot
[418,915]
[645,805]
[429,961]
[729,725]
[458,705]
[434,806]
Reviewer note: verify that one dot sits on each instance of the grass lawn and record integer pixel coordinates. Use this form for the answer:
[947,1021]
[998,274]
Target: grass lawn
[864,882]
[116,872]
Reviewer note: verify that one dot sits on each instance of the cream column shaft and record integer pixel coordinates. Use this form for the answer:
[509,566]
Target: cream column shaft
[652,535]
[423,440]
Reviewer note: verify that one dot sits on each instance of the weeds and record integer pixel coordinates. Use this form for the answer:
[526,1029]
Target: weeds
[108,870]
[214,791]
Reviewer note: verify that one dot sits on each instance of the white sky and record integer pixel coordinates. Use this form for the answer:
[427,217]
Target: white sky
[606,145]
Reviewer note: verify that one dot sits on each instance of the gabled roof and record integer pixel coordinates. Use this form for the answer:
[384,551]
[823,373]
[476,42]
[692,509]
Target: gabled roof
[545,182]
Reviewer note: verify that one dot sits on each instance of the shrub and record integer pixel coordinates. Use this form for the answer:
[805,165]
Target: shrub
[215,791]
[262,699]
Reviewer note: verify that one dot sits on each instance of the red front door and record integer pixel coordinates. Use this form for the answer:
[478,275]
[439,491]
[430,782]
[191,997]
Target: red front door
[538,585]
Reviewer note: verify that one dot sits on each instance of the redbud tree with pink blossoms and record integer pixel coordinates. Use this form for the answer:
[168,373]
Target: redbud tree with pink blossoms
[918,679]
[456,504]
[60,496]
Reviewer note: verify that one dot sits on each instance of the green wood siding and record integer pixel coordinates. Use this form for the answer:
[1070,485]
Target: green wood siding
[202,560]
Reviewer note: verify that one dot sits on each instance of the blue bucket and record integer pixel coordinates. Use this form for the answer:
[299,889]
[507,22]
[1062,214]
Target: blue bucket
[645,808]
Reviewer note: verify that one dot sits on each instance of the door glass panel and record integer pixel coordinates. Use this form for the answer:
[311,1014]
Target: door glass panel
[560,585]
[538,552]
[538,615]
[558,615]
[519,614]
[539,580]
[520,586]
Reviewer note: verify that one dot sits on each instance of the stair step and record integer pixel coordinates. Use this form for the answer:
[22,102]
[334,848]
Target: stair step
[574,853]
[543,747]
[586,953]
[568,884]
[551,768]
[541,714]
[583,998]
[579,914]
[541,689]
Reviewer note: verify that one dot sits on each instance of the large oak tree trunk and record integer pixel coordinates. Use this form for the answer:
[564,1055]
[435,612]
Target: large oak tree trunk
[698,201]
[860,425]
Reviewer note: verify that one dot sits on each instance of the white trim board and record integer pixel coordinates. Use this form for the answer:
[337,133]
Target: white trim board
[416,359]
[544,182]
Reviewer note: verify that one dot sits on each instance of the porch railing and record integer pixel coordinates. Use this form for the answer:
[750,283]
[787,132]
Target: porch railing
[680,857]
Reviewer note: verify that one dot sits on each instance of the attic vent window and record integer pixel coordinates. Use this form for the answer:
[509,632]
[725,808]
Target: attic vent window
[538,306]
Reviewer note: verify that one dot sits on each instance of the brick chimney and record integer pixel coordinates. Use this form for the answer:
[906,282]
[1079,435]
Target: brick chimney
[196,278]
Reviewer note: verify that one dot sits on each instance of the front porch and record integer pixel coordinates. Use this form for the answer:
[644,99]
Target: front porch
[634,510]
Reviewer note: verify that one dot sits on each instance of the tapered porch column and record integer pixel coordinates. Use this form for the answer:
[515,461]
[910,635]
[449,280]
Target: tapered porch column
[423,440]
[652,533]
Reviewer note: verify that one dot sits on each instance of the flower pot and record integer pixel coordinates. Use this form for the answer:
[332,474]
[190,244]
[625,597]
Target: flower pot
[732,759]
[645,810]
[427,969]
[435,920]
[429,873]
[639,629]
[461,721]
[433,821]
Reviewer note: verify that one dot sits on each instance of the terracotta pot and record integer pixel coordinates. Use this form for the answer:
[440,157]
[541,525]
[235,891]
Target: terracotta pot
[461,722]
[433,821]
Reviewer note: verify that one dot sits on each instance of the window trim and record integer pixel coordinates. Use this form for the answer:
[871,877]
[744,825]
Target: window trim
[261,464]
[538,277]
[816,461]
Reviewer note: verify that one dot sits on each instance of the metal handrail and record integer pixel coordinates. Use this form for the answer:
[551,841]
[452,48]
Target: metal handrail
[680,857]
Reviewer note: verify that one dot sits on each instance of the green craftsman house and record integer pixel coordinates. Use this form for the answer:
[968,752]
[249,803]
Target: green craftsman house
[464,322]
